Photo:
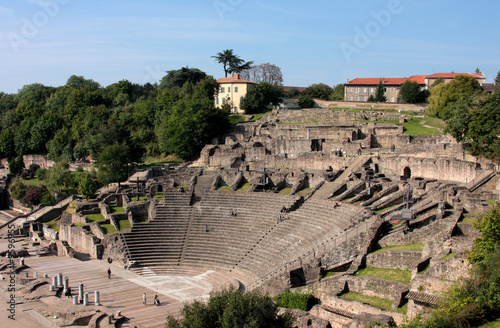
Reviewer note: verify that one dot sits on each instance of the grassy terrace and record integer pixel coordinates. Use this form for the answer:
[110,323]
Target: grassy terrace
[285,191]
[387,274]
[304,192]
[373,301]
[235,119]
[108,228]
[418,247]
[244,187]
[95,217]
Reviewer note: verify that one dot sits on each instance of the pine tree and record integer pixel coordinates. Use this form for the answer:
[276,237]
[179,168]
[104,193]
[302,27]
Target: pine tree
[379,93]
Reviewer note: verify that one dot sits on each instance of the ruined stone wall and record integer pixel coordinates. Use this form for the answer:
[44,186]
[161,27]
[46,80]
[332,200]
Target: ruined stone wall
[440,169]
[81,240]
[302,161]
[402,260]
[375,287]
[37,159]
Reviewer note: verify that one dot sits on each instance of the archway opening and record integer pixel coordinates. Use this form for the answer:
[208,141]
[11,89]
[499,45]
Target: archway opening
[406,173]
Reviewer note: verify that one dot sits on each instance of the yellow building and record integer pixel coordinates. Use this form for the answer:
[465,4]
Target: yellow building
[232,90]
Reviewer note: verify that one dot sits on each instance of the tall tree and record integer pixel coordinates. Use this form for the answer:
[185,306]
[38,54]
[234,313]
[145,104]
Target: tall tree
[264,73]
[318,91]
[258,99]
[112,163]
[379,92]
[409,92]
[231,62]
[497,79]
[338,92]
[175,79]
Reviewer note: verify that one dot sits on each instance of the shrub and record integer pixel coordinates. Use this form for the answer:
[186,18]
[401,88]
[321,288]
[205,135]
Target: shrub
[295,300]
[41,174]
[306,101]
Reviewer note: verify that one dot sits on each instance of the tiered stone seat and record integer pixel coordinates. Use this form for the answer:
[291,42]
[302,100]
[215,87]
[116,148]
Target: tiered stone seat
[218,239]
[160,241]
[313,224]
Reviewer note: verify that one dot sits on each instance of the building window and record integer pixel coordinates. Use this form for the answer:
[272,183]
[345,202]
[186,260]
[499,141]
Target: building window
[365,98]
[350,98]
[371,89]
[222,89]
[357,98]
[235,89]
[392,89]
[365,89]
[392,98]
[223,100]
[356,89]
[228,89]
[241,98]
[217,100]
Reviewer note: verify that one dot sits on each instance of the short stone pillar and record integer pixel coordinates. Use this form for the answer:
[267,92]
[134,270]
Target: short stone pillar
[35,274]
[80,292]
[66,284]
[97,298]
[75,300]
[59,279]
[86,299]
[52,288]
[45,275]
[21,261]
[54,281]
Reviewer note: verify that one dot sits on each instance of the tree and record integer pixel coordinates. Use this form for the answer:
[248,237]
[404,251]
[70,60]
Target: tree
[478,70]
[409,92]
[112,163]
[231,62]
[306,101]
[175,79]
[56,176]
[293,93]
[16,165]
[497,79]
[258,99]
[233,309]
[338,92]
[87,186]
[379,92]
[264,73]
[445,95]
[318,91]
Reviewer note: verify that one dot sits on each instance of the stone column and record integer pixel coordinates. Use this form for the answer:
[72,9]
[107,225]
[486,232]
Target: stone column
[54,281]
[97,300]
[86,299]
[21,261]
[66,284]
[75,300]
[59,279]
[80,292]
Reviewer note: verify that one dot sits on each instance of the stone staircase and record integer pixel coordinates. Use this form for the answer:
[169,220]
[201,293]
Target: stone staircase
[203,182]
[328,189]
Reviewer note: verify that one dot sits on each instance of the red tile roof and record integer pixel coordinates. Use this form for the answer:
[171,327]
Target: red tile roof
[234,79]
[420,79]
[376,80]
[452,75]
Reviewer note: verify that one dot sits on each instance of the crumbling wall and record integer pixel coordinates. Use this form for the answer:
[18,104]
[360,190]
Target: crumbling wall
[81,240]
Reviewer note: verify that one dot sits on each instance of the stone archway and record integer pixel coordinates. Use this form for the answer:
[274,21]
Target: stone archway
[406,172]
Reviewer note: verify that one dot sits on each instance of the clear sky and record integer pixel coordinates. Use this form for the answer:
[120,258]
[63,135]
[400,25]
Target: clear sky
[321,41]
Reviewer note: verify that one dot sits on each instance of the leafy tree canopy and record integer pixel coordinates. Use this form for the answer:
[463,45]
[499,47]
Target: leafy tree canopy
[338,92]
[175,79]
[259,98]
[228,309]
[318,91]
[306,101]
[231,62]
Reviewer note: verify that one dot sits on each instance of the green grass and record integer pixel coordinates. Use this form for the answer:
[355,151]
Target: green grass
[387,274]
[469,219]
[34,182]
[403,309]
[117,209]
[78,224]
[235,119]
[385,209]
[491,324]
[95,217]
[492,202]
[415,126]
[258,116]
[224,188]
[451,254]
[408,247]
[374,301]
[330,274]
[245,187]
[158,195]
[53,224]
[304,192]
[124,224]
[133,199]
[108,229]
[285,191]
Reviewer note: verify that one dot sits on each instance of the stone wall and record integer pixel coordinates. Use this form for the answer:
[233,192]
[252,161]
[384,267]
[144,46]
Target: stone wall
[375,287]
[440,169]
[39,160]
[49,233]
[81,240]
[402,260]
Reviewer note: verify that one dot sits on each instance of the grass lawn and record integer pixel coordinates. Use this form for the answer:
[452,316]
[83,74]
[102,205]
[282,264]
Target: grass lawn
[95,217]
[330,274]
[234,119]
[492,202]
[108,229]
[53,224]
[258,116]
[133,199]
[224,188]
[408,247]
[158,195]
[492,324]
[403,309]
[116,209]
[385,208]
[387,274]
[374,301]
[451,254]
[415,126]
[34,182]
[124,224]
[285,191]
[304,192]
[245,187]
[469,220]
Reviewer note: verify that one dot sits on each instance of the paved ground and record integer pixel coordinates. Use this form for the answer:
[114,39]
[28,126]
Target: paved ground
[123,291]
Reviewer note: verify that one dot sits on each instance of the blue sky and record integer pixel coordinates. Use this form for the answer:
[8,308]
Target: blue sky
[323,41]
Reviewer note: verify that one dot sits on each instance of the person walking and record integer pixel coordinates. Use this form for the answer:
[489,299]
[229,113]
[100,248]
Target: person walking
[109,273]
[144,299]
